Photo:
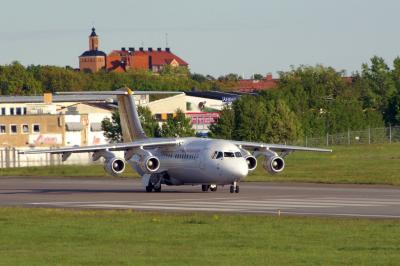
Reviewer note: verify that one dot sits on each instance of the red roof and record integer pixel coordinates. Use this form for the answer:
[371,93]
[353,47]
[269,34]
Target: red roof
[160,58]
[250,85]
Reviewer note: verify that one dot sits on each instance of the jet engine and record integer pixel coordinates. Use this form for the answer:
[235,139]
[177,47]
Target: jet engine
[274,164]
[114,166]
[251,162]
[149,164]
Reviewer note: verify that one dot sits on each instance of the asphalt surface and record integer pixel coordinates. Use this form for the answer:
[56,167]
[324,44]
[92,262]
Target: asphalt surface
[254,198]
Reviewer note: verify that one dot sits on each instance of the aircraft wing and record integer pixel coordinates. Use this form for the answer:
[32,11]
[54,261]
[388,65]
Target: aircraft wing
[109,147]
[276,147]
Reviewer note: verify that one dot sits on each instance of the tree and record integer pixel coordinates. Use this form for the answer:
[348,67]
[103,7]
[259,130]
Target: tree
[225,125]
[254,118]
[258,76]
[250,118]
[393,110]
[149,123]
[378,85]
[112,127]
[282,124]
[177,126]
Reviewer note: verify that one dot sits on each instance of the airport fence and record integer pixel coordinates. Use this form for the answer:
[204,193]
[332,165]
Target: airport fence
[368,136]
[9,157]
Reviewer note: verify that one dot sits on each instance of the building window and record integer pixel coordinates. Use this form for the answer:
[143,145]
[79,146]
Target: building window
[158,117]
[36,128]
[24,111]
[12,111]
[25,129]
[19,111]
[13,129]
[3,111]
[2,129]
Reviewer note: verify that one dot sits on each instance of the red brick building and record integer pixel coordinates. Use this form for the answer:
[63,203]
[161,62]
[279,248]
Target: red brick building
[122,60]
[150,59]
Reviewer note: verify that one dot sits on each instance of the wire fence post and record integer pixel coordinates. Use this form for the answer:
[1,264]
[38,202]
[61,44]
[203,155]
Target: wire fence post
[348,136]
[390,133]
[306,142]
[327,139]
[369,135]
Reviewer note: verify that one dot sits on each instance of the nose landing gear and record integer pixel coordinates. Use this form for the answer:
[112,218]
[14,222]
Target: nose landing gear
[234,188]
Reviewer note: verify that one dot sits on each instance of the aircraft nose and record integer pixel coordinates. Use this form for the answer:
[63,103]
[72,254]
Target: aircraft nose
[241,169]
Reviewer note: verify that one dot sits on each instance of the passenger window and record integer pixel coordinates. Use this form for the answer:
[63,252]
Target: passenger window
[219,155]
[229,154]
[238,154]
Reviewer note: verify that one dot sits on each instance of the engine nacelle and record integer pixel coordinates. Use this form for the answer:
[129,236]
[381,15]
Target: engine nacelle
[114,166]
[149,164]
[274,164]
[251,162]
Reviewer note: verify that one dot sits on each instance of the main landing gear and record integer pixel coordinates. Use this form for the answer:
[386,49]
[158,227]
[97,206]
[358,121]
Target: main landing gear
[211,187]
[150,187]
[234,188]
[154,184]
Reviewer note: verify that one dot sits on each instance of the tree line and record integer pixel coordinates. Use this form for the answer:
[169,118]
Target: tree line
[314,101]
[16,79]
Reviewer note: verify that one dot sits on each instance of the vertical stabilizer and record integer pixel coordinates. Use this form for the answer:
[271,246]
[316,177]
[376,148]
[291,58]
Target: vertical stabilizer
[130,122]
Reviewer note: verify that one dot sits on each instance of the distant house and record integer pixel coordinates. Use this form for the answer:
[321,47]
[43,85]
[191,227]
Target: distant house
[122,60]
[255,85]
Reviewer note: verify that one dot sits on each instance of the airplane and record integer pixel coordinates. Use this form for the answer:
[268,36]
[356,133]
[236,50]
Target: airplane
[178,161]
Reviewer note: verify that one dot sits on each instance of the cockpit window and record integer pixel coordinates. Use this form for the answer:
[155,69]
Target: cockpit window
[238,154]
[219,155]
[229,154]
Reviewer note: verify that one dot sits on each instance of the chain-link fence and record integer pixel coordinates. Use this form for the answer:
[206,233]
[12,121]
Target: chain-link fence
[9,157]
[367,136]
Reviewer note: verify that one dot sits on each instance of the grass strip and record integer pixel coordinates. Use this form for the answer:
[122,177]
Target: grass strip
[87,237]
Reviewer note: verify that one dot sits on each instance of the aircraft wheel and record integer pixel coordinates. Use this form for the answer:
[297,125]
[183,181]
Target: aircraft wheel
[149,189]
[157,189]
[237,189]
[232,189]
[213,188]
[205,188]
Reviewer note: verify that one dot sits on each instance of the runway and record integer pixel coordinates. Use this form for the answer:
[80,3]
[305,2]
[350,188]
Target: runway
[254,198]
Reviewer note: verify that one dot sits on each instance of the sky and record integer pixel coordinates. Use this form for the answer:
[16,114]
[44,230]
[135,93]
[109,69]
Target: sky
[214,36]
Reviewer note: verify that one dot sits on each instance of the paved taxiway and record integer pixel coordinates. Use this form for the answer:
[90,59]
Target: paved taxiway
[256,198]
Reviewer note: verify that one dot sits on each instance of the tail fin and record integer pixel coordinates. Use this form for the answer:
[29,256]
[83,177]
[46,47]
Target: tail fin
[130,122]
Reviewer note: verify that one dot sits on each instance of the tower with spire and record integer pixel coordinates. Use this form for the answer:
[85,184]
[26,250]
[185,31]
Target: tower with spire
[93,59]
[93,40]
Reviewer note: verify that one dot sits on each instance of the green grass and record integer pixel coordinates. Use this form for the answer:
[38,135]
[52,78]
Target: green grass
[361,164]
[71,237]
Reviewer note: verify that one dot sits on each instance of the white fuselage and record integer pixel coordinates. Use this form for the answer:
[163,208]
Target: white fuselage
[201,161]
